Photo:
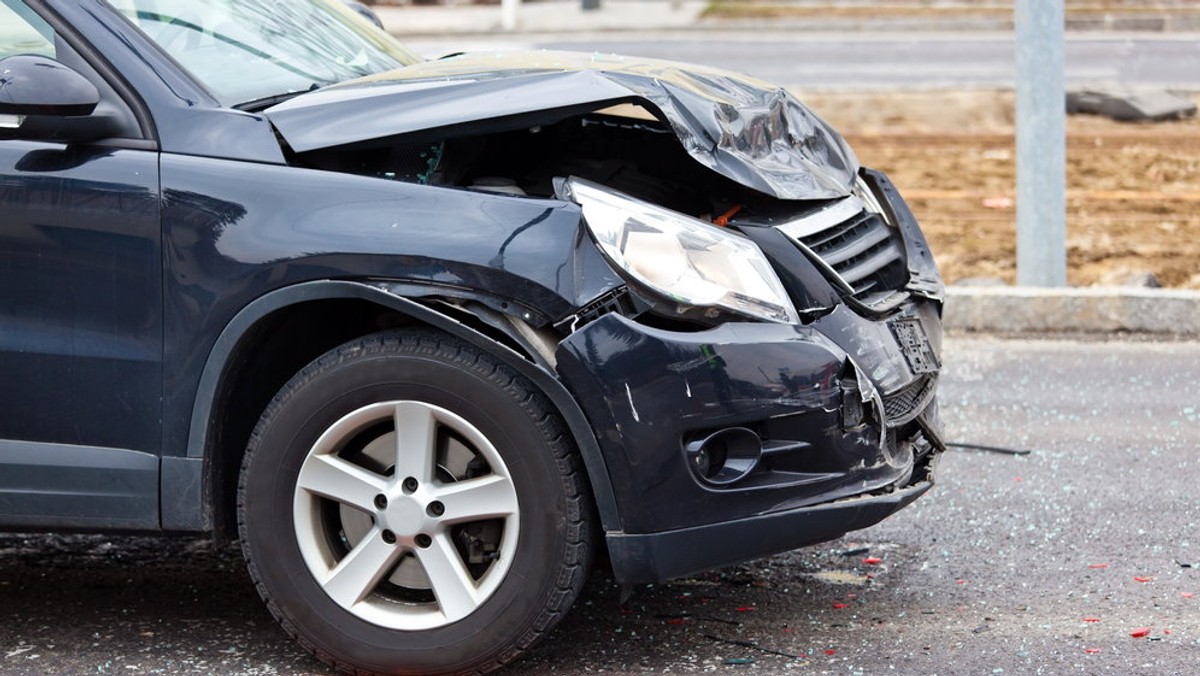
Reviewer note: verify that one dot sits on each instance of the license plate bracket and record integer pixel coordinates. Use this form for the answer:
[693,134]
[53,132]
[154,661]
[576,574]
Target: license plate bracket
[914,344]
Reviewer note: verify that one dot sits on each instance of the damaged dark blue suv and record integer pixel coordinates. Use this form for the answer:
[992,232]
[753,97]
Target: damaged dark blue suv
[425,335]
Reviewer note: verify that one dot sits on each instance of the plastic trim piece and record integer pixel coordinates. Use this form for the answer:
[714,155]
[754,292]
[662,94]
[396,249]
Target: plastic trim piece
[819,221]
[182,495]
[67,487]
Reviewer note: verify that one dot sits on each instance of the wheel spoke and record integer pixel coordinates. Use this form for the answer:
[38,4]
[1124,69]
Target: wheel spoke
[452,584]
[416,441]
[331,477]
[487,497]
[355,576]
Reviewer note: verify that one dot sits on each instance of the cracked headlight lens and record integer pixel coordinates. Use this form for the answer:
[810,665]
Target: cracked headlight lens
[683,259]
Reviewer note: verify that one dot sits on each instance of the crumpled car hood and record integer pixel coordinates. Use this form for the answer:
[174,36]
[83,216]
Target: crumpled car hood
[747,130]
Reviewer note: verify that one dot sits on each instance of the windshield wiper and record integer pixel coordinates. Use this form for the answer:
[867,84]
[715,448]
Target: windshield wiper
[255,105]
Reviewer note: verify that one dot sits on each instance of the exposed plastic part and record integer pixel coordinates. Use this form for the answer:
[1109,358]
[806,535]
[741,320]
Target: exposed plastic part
[902,406]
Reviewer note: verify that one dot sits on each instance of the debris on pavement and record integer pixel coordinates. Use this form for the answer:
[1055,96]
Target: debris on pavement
[753,646]
[989,449]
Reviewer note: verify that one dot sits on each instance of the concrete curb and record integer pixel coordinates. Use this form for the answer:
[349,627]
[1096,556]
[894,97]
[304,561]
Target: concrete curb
[1161,312]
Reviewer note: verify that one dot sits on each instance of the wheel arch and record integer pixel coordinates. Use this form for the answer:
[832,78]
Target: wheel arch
[216,444]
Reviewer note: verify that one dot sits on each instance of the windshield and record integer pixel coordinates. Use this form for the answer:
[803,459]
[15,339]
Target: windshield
[249,50]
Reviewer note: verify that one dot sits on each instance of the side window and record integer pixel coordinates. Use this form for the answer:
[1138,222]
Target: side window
[23,32]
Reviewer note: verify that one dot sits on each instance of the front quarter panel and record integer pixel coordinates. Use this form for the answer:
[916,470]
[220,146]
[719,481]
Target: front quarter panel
[236,231]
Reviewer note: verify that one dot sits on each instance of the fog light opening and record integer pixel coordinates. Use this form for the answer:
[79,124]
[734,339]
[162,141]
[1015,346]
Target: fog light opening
[726,456]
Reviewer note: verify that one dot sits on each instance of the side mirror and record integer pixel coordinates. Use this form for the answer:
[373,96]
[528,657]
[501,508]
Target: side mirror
[36,85]
[41,99]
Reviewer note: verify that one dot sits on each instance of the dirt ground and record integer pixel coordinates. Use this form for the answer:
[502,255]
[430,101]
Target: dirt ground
[1133,190]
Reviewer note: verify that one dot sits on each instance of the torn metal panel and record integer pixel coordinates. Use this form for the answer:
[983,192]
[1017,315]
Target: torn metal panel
[1131,106]
[754,133]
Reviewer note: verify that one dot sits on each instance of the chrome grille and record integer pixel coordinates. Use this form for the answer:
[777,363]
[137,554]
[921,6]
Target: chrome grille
[856,245]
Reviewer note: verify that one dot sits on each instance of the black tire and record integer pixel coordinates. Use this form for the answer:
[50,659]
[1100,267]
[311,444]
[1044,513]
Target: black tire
[490,436]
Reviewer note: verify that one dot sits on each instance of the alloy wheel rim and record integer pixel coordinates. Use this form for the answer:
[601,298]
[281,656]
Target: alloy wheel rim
[395,525]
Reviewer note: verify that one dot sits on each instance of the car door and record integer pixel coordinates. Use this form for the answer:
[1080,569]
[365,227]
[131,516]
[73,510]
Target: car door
[80,314]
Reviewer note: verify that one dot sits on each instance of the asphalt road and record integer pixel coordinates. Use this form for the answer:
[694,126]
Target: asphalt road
[1044,563]
[874,61]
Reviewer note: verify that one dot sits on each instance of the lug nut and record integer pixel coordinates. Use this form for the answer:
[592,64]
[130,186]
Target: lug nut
[436,509]
[423,540]
[389,537]
[410,485]
[381,501]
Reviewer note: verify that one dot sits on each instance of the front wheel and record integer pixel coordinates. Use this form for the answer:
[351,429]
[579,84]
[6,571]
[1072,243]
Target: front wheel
[408,504]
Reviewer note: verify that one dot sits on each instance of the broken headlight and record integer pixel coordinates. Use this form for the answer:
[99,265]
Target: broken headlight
[685,260]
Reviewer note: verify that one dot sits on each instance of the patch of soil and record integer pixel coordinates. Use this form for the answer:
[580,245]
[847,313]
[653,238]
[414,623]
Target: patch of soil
[1133,190]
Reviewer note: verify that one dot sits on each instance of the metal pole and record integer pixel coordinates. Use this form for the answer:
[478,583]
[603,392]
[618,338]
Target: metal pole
[1041,144]
[508,14]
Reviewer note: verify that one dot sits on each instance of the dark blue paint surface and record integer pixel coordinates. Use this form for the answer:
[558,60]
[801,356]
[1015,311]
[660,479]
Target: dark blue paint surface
[80,296]
[228,241]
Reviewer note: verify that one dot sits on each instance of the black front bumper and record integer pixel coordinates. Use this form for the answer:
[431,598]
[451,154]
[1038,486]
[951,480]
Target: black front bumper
[845,403]
[648,391]
[661,556]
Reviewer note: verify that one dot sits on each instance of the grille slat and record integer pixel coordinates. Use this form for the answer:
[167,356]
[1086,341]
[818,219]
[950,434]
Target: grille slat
[852,248]
[835,234]
[855,272]
[861,250]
